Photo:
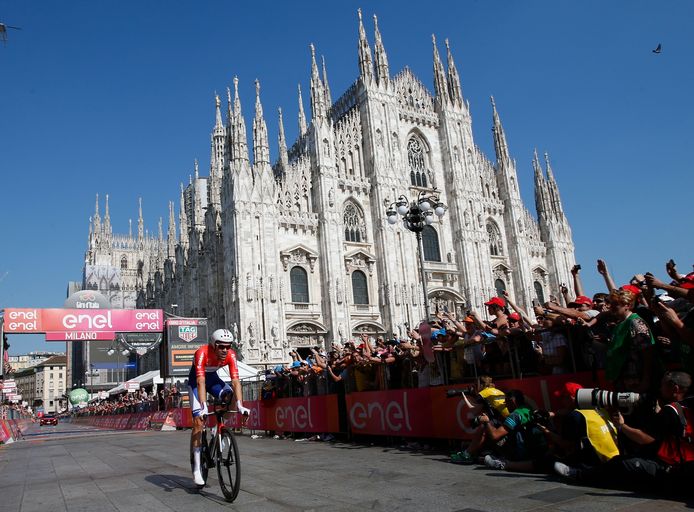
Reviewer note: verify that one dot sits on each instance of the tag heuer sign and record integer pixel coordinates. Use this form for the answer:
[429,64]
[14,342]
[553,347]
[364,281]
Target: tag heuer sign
[188,332]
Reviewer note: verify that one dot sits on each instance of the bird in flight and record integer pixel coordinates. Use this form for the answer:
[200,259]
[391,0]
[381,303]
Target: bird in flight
[3,32]
[658,48]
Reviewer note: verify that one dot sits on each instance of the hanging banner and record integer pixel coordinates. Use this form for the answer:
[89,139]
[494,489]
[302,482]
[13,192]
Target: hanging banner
[34,321]
[81,336]
[184,337]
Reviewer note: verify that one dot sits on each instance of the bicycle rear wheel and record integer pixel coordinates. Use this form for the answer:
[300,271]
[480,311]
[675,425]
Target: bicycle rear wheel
[228,466]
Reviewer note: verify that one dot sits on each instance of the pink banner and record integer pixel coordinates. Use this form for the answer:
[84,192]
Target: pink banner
[83,320]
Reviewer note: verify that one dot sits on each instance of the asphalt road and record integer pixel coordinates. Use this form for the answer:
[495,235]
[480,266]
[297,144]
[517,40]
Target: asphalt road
[78,468]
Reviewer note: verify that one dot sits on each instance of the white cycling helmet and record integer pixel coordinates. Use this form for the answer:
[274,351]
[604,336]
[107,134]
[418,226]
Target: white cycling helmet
[222,336]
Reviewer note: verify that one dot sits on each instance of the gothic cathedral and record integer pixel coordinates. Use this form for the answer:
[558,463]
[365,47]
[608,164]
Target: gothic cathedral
[299,253]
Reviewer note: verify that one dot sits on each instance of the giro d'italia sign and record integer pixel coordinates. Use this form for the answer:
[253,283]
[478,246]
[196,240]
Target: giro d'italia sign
[184,337]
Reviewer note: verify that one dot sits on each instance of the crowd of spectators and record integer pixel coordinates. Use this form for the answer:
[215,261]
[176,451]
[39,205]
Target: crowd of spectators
[631,332]
[138,401]
[640,432]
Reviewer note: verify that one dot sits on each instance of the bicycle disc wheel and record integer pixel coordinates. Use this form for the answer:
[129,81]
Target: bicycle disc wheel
[228,466]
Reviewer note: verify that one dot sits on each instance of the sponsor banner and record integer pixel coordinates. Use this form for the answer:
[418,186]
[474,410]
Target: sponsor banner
[132,386]
[402,412]
[81,336]
[26,320]
[140,342]
[157,419]
[184,337]
[311,414]
[427,412]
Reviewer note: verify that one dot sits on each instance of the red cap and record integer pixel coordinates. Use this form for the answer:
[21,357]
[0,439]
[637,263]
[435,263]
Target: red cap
[688,282]
[514,316]
[631,288]
[568,389]
[582,299]
[496,301]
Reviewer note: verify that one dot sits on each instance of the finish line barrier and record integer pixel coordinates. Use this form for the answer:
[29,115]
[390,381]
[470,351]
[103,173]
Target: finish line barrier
[420,412]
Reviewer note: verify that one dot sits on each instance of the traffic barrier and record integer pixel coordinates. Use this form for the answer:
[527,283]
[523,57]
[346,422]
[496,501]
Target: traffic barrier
[419,412]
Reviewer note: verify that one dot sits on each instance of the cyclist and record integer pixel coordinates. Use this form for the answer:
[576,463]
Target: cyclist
[203,379]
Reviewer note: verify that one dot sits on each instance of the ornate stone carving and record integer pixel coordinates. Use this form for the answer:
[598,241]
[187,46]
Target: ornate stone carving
[338,291]
[275,334]
[251,335]
[249,286]
[298,255]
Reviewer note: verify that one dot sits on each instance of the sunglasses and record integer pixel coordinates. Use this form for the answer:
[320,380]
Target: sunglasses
[222,347]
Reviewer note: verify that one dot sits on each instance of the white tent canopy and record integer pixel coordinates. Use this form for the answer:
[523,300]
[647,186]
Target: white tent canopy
[145,380]
[246,372]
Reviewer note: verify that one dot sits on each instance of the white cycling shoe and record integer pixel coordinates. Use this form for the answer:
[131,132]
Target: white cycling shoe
[197,477]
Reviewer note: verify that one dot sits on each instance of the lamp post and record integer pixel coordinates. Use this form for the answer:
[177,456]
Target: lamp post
[417,214]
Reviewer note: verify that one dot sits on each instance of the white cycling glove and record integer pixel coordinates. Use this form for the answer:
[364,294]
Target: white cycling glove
[243,410]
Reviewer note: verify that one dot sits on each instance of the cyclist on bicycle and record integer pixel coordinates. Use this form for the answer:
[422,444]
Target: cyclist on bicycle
[203,379]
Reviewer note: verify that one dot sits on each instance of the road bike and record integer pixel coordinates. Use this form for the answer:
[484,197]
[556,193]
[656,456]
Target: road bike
[221,452]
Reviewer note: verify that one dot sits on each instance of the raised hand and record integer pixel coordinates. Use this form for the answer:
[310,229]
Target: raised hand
[602,267]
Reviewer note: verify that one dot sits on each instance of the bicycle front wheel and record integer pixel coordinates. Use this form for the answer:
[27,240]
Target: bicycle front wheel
[228,466]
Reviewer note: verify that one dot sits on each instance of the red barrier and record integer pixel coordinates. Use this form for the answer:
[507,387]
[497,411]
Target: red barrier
[424,412]
[5,434]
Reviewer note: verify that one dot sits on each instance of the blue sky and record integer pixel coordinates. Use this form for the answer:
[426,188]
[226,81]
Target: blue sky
[117,98]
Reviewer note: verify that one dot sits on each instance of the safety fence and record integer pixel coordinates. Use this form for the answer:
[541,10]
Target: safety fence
[11,429]
[420,412]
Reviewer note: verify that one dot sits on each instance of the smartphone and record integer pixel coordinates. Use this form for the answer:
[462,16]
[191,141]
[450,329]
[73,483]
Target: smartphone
[445,309]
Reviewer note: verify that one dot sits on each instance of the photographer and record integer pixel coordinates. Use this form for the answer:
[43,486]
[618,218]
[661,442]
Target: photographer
[490,401]
[585,437]
[518,440]
[670,439]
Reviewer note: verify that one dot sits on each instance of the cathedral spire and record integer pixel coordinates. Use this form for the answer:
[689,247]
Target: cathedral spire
[218,112]
[440,84]
[380,57]
[240,142]
[326,87]
[230,113]
[107,220]
[500,146]
[217,155]
[197,169]
[183,221]
[130,228]
[365,63]
[317,93]
[282,143]
[97,217]
[541,200]
[553,189]
[171,236]
[161,231]
[261,150]
[454,89]
[302,117]
[140,223]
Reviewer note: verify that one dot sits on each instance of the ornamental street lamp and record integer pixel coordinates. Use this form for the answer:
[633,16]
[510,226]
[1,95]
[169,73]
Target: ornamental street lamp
[417,214]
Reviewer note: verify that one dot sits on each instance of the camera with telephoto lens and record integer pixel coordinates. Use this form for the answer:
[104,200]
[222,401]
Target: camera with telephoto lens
[589,398]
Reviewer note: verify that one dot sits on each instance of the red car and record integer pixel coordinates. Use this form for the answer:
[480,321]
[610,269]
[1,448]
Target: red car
[48,420]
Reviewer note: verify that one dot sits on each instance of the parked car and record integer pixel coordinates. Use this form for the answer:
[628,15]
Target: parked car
[48,420]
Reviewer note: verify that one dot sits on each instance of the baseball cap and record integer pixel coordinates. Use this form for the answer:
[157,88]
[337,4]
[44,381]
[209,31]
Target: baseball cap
[514,316]
[496,301]
[567,389]
[469,320]
[688,281]
[582,299]
[631,288]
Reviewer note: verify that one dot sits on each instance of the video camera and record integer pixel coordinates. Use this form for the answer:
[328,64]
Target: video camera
[589,398]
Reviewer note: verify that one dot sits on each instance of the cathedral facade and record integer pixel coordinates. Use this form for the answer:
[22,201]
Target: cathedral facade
[298,252]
